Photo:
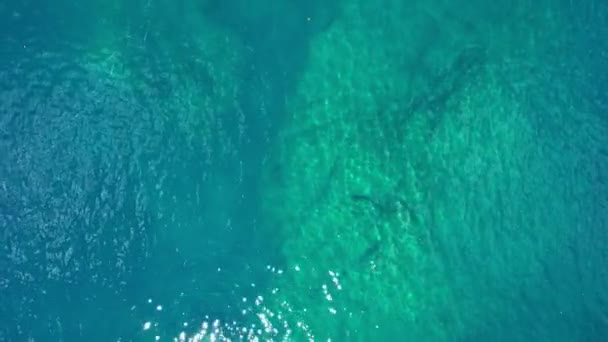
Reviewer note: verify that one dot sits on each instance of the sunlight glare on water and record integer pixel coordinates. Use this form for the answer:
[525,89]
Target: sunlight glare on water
[264,317]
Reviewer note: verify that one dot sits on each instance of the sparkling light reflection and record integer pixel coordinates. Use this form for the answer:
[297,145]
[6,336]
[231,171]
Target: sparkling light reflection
[269,316]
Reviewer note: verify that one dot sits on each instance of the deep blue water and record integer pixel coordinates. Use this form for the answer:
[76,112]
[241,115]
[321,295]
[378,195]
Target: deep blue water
[118,191]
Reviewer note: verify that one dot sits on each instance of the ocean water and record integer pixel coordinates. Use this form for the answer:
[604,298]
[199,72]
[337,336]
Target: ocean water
[303,170]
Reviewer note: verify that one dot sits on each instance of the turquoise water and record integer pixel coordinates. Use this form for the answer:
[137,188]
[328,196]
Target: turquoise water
[296,170]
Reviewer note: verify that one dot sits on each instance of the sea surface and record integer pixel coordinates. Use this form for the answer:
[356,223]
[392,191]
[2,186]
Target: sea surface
[274,170]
